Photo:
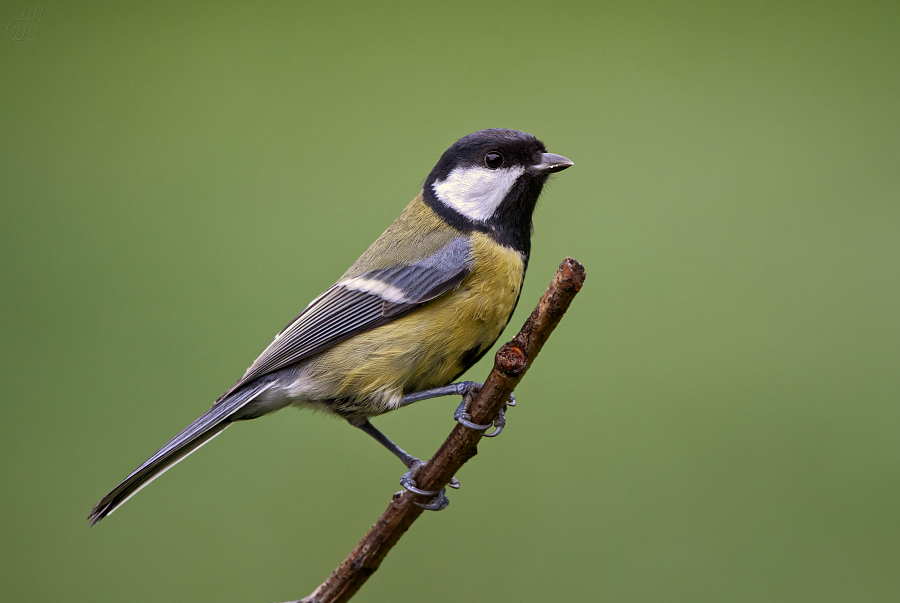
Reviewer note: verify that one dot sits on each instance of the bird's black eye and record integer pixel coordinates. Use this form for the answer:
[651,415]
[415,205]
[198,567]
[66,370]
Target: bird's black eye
[493,160]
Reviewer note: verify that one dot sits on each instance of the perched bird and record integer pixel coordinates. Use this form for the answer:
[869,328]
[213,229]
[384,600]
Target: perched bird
[425,302]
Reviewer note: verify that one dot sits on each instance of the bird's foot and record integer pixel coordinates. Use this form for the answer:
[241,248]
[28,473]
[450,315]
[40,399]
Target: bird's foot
[438,503]
[439,500]
[470,390]
[408,480]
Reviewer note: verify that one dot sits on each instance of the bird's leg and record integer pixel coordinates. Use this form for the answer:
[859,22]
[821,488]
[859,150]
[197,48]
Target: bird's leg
[406,458]
[468,390]
[408,480]
[454,389]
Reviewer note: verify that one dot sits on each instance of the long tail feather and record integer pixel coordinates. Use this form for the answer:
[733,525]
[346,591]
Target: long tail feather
[192,437]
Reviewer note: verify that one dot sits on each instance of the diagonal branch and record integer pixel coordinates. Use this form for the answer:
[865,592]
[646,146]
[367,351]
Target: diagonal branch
[510,364]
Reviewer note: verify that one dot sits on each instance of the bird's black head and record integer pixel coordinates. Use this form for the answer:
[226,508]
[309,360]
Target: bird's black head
[491,181]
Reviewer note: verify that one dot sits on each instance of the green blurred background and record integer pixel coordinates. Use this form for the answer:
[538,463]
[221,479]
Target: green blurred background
[716,419]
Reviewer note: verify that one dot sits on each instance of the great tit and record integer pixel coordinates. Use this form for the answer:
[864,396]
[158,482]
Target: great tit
[425,302]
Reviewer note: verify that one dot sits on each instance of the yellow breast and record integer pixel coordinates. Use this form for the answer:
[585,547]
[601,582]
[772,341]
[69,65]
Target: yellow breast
[431,345]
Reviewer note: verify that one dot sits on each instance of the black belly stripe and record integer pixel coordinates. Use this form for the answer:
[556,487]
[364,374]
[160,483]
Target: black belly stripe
[473,355]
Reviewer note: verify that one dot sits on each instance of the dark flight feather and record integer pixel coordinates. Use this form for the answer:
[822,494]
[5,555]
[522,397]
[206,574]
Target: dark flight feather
[341,312]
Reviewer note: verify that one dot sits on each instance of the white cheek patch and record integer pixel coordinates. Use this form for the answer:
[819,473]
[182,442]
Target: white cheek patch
[476,191]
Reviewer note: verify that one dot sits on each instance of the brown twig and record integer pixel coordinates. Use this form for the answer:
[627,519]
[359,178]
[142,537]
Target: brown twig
[510,364]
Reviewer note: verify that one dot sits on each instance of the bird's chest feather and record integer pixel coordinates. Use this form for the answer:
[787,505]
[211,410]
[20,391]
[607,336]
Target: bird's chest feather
[428,347]
[464,324]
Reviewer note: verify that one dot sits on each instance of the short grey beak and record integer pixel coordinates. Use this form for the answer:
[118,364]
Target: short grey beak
[551,163]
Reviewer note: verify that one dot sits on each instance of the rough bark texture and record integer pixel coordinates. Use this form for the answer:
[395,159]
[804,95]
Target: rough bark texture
[510,365]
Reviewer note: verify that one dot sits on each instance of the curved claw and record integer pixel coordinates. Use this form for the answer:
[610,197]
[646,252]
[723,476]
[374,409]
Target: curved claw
[476,426]
[463,418]
[419,491]
[410,484]
[438,503]
[454,483]
[499,422]
[496,432]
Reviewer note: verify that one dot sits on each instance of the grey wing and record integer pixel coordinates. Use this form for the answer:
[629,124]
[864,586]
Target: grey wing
[361,303]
